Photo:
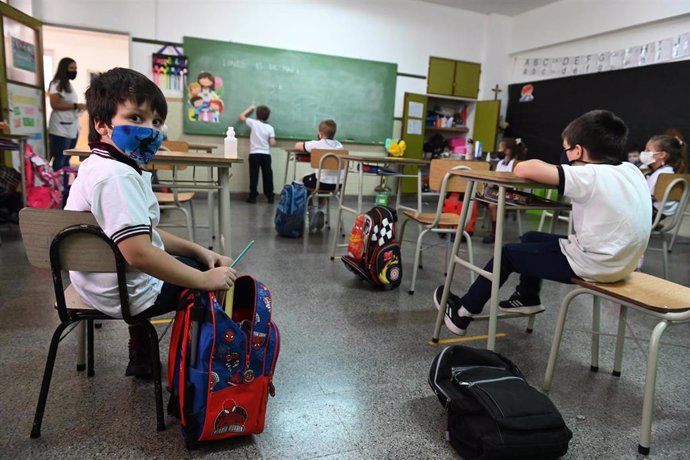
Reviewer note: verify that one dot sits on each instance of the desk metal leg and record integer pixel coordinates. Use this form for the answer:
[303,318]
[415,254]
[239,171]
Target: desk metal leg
[496,275]
[211,214]
[341,195]
[287,166]
[22,169]
[224,211]
[451,265]
[360,187]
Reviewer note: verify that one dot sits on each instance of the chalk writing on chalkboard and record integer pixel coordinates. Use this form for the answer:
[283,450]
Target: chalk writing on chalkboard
[300,88]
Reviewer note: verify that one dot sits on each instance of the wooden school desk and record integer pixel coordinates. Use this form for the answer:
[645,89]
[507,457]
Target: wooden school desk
[217,162]
[295,156]
[207,148]
[504,181]
[346,161]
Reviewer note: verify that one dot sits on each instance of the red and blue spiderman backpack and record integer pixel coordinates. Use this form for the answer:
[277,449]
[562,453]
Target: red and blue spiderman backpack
[220,367]
[373,253]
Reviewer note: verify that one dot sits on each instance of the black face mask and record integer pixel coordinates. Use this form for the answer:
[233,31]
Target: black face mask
[501,155]
[564,158]
[72,75]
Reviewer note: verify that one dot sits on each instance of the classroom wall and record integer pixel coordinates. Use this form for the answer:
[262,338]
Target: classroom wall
[570,20]
[612,41]
[94,52]
[406,32]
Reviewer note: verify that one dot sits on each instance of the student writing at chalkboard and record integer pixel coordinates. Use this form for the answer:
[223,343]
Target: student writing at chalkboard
[663,155]
[509,152]
[327,179]
[262,137]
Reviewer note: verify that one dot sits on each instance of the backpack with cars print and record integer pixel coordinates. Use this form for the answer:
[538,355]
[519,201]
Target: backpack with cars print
[373,253]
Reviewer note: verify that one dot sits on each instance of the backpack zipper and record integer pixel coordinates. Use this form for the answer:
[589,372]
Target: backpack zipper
[499,379]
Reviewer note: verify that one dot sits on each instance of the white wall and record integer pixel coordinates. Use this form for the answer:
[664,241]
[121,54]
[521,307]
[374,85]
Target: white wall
[611,41]
[569,20]
[405,32]
[94,52]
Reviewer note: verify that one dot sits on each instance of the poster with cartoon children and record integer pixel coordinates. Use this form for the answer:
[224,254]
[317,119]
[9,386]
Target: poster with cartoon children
[204,97]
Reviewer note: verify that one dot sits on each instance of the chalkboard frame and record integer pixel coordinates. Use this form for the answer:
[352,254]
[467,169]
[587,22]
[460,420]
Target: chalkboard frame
[304,88]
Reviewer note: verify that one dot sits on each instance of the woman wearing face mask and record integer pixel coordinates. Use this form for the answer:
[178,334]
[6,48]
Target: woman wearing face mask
[63,128]
[509,152]
[663,155]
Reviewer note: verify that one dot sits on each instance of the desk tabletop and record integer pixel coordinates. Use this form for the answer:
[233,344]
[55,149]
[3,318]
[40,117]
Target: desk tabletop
[388,160]
[14,136]
[175,158]
[205,147]
[501,178]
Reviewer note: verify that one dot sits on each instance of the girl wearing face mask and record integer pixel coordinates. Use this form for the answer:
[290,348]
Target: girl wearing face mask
[663,155]
[63,128]
[509,152]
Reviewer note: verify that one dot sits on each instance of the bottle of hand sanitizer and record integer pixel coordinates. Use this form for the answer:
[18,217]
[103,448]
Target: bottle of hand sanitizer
[230,143]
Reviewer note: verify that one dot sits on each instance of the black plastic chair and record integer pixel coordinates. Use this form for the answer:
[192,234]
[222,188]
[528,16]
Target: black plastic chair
[70,240]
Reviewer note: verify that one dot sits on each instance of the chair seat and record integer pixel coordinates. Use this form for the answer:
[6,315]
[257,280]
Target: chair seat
[73,301]
[447,218]
[169,198]
[645,291]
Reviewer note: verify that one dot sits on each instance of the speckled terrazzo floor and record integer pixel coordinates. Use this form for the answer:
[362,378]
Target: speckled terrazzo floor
[351,381]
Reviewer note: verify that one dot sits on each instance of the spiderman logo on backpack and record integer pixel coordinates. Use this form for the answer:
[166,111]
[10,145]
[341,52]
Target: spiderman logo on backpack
[220,368]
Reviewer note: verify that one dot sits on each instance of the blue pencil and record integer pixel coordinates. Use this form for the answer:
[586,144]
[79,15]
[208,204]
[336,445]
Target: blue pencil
[246,248]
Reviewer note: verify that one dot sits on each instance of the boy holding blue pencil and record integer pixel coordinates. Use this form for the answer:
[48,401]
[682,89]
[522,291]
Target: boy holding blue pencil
[126,115]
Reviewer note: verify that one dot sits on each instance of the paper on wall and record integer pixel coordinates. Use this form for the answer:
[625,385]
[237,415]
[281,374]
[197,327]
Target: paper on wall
[414,127]
[415,109]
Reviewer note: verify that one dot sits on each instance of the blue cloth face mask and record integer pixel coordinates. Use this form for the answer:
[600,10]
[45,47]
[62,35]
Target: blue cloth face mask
[137,142]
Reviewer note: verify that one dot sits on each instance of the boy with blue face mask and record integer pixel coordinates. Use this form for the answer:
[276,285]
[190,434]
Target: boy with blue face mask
[126,115]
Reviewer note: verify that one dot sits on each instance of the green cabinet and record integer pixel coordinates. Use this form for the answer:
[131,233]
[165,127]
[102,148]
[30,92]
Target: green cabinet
[453,78]
[481,125]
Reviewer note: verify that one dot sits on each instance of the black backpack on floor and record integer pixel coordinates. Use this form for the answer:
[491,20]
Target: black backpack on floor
[493,413]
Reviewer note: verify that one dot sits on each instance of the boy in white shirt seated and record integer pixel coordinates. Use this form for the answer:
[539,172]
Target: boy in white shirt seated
[126,114]
[328,179]
[611,211]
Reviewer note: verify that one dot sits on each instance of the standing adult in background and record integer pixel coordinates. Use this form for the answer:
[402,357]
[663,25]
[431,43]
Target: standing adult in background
[63,128]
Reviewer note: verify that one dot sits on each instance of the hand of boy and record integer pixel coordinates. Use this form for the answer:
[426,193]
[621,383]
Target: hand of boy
[219,278]
[213,259]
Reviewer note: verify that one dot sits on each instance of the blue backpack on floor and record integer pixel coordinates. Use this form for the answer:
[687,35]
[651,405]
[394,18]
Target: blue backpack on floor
[292,207]
[220,367]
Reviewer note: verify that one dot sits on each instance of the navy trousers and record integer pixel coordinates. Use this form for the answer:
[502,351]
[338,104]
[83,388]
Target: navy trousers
[538,256]
[260,161]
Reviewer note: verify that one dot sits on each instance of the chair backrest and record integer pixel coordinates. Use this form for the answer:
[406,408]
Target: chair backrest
[671,187]
[440,167]
[328,163]
[175,146]
[81,252]
[663,183]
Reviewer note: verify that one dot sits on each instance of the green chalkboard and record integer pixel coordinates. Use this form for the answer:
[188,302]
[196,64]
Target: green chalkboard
[301,89]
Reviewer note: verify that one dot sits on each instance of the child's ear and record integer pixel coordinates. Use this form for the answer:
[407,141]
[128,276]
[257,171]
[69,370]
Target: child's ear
[101,127]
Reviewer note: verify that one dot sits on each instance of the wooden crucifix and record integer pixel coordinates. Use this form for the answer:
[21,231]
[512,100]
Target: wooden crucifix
[496,90]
